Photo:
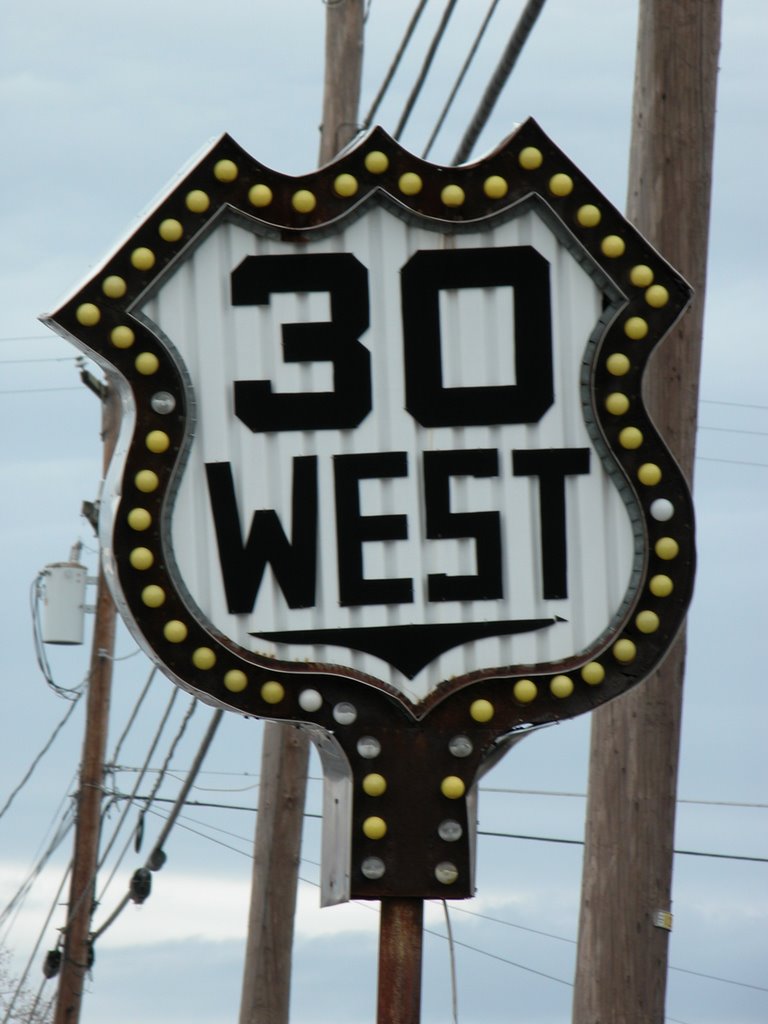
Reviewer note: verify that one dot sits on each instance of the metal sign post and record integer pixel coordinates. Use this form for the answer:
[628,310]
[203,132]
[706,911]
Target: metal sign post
[386,471]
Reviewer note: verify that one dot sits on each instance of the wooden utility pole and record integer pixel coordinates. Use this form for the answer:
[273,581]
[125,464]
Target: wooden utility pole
[285,751]
[77,951]
[626,895]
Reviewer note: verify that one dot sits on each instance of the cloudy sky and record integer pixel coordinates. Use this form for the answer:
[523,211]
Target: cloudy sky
[101,106]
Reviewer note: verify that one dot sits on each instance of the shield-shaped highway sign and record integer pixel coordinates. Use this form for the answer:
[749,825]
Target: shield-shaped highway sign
[385,469]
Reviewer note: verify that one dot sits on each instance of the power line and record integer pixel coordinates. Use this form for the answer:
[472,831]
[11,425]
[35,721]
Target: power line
[28,774]
[737,405]
[563,938]
[480,832]
[394,65]
[36,391]
[152,748]
[731,462]
[46,359]
[18,898]
[583,796]
[460,78]
[733,430]
[580,842]
[132,717]
[470,913]
[30,337]
[499,78]
[151,860]
[35,948]
[426,65]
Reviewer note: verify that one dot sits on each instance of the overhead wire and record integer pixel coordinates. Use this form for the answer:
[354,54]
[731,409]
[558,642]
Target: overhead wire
[36,761]
[426,65]
[580,842]
[460,78]
[463,910]
[171,820]
[148,800]
[395,64]
[140,777]
[480,832]
[499,78]
[14,904]
[132,718]
[35,948]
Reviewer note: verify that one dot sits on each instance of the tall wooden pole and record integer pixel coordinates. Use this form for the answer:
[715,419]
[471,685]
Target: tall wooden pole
[76,951]
[285,751]
[626,894]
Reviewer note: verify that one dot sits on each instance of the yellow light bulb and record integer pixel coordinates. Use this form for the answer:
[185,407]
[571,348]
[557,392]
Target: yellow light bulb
[374,828]
[561,185]
[624,651]
[225,170]
[146,481]
[197,201]
[345,185]
[376,162]
[203,658]
[374,784]
[175,631]
[495,187]
[593,673]
[452,195]
[481,710]
[141,559]
[235,680]
[530,158]
[561,686]
[410,184]
[272,692]
[452,787]
[260,195]
[525,690]
[122,337]
[303,201]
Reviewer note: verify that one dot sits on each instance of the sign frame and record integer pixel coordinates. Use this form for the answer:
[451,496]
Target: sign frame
[384,832]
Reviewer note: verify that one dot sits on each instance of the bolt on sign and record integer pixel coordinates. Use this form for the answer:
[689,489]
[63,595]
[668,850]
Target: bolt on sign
[385,469]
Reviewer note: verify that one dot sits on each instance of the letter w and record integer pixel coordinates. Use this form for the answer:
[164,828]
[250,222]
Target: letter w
[294,562]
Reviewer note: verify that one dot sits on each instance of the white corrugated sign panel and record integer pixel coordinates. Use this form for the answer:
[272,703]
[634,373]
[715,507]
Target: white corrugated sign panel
[220,343]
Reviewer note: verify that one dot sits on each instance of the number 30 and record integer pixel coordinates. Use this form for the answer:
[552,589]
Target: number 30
[337,341]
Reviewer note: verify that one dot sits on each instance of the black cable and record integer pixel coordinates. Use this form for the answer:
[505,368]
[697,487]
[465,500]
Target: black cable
[731,462]
[394,65]
[580,842]
[17,899]
[172,817]
[734,430]
[33,954]
[573,942]
[499,78]
[460,78]
[40,756]
[148,803]
[140,777]
[191,708]
[132,717]
[416,90]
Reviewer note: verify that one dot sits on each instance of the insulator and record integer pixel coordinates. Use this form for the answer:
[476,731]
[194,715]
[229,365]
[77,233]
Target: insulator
[52,963]
[156,860]
[141,885]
